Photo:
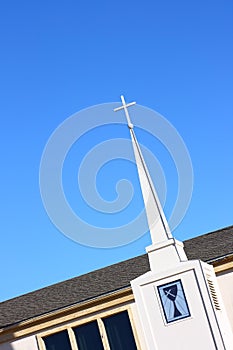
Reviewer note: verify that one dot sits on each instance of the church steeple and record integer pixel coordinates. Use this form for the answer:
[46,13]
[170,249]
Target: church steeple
[165,251]
[157,222]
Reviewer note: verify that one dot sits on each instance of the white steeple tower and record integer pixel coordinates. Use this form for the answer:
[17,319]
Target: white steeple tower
[178,301]
[162,241]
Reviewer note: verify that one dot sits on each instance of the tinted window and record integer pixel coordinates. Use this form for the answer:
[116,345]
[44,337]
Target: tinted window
[88,337]
[57,341]
[119,332]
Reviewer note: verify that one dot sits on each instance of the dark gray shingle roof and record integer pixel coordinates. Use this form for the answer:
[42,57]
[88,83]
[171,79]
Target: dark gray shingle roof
[211,246]
[106,280]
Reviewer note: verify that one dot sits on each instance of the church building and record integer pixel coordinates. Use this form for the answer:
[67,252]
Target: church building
[177,296]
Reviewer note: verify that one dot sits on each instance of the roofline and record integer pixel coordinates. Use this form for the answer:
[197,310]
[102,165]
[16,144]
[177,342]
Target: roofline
[220,258]
[88,303]
[210,232]
[54,314]
[221,263]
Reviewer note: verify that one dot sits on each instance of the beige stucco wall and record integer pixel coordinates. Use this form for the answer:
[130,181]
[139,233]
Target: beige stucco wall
[225,281]
[28,343]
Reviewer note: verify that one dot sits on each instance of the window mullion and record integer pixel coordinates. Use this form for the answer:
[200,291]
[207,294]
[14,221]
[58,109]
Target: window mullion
[103,334]
[133,328]
[72,338]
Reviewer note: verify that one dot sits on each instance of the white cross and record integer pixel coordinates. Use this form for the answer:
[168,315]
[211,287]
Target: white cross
[168,292]
[125,106]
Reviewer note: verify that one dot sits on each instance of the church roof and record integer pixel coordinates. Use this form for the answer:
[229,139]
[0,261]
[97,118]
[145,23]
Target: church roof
[210,247]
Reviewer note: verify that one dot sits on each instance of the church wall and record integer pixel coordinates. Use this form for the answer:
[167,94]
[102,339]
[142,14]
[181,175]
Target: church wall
[138,327]
[28,343]
[225,282]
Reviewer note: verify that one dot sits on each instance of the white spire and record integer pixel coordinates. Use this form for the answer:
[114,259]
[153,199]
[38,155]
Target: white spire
[157,222]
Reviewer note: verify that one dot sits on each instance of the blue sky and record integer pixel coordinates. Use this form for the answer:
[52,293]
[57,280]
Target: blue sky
[58,57]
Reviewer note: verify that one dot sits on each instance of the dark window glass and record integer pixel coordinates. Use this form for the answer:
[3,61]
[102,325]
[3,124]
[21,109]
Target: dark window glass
[88,337]
[57,341]
[119,332]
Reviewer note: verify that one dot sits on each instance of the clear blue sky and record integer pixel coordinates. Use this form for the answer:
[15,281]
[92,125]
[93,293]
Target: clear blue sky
[58,57]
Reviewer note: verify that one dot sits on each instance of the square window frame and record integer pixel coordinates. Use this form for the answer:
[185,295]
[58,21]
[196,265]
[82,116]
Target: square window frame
[174,319]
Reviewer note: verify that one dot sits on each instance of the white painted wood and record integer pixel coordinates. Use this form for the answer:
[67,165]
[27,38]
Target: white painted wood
[28,343]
